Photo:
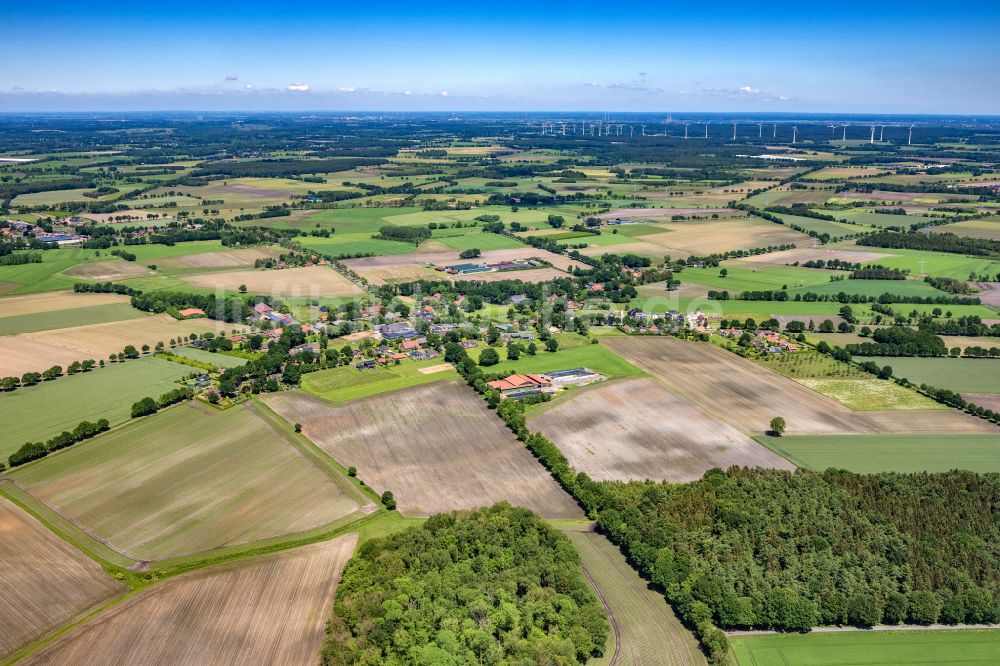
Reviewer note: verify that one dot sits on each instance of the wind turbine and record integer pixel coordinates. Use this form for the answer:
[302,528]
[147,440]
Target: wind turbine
[795,134]
[909,141]
[734,131]
[760,130]
[643,129]
[686,130]
[844,138]
[631,131]
[873,135]
[881,133]
[775,131]
[706,130]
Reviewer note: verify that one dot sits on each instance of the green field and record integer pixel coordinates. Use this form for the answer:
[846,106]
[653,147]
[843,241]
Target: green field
[188,479]
[868,395]
[871,288]
[44,321]
[835,229]
[36,413]
[739,278]
[356,243]
[45,276]
[938,264]
[869,648]
[965,375]
[349,383]
[596,357]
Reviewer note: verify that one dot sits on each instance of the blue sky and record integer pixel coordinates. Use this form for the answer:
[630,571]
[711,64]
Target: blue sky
[888,57]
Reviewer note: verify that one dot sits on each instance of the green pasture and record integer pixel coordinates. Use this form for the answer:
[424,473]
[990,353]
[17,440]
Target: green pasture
[963,375]
[348,383]
[36,413]
[869,648]
[869,454]
[44,321]
[835,229]
[596,357]
[937,264]
[871,288]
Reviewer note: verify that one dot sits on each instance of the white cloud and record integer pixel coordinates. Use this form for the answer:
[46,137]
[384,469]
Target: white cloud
[345,90]
[407,93]
[231,77]
[299,87]
[444,93]
[248,87]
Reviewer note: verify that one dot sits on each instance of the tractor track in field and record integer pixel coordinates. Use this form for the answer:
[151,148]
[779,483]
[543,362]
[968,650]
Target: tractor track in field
[611,616]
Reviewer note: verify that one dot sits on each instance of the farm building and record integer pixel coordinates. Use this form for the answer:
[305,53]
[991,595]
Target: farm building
[191,312]
[574,377]
[520,382]
[262,308]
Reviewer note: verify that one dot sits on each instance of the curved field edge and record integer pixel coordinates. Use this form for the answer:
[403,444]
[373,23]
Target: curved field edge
[646,627]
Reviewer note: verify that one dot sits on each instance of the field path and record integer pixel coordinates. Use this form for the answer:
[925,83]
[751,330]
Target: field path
[647,631]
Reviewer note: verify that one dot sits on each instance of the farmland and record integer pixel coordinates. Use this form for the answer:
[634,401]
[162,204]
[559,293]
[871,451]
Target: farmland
[646,629]
[34,352]
[860,648]
[349,383]
[110,393]
[186,480]
[866,454]
[45,581]
[435,447]
[964,375]
[278,602]
[599,358]
[618,431]
[747,386]
[309,282]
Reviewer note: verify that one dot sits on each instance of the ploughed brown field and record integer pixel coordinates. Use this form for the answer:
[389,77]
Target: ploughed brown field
[747,396]
[16,306]
[222,259]
[804,254]
[115,269]
[639,429]
[45,582]
[266,610]
[436,447]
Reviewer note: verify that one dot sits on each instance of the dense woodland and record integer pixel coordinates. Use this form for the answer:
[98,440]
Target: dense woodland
[494,586]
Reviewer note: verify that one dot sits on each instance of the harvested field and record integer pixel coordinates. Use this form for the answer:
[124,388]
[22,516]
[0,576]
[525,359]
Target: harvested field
[34,352]
[225,259]
[400,267]
[104,271]
[619,432]
[186,480]
[306,282]
[265,610]
[986,400]
[139,215]
[880,195]
[646,630]
[434,369]
[436,447]
[45,581]
[17,306]
[747,396]
[803,254]
[705,237]
[534,275]
[990,293]
[629,213]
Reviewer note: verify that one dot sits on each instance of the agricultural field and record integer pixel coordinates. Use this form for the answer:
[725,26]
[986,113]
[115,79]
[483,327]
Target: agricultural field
[217,359]
[871,288]
[986,228]
[306,282]
[46,582]
[598,358]
[29,314]
[222,259]
[645,629]
[863,648]
[852,254]
[106,271]
[37,351]
[185,480]
[868,454]
[834,229]
[963,375]
[265,610]
[617,431]
[436,447]
[732,389]
[348,383]
[419,265]
[29,415]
